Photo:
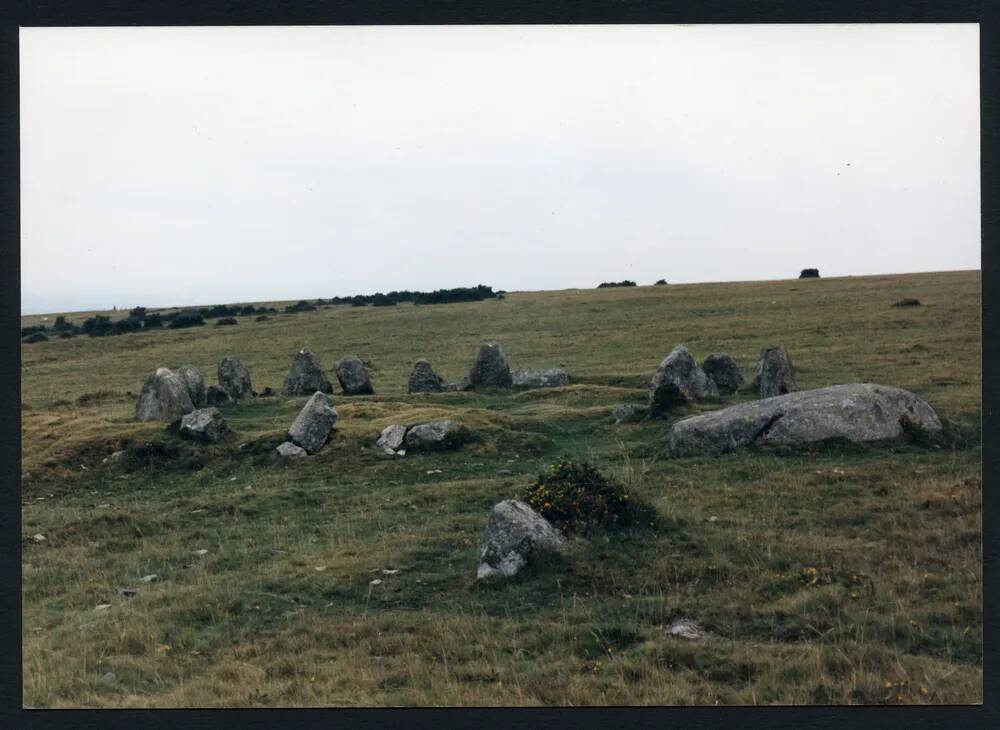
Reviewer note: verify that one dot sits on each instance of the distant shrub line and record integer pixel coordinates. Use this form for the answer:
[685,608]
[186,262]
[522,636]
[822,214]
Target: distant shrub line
[613,284]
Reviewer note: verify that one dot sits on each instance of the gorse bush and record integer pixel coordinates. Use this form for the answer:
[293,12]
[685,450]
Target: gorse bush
[613,284]
[301,306]
[97,326]
[25,331]
[809,274]
[225,321]
[577,498]
[186,318]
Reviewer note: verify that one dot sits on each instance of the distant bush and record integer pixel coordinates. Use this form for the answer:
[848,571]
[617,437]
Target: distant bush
[907,303]
[97,326]
[35,337]
[301,306]
[577,498]
[459,294]
[225,321]
[661,282]
[261,318]
[359,301]
[126,325]
[61,325]
[381,300]
[152,321]
[137,313]
[186,318]
[809,274]
[612,284]
[25,331]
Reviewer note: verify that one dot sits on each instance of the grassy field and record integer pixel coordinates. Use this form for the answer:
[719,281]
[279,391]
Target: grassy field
[846,575]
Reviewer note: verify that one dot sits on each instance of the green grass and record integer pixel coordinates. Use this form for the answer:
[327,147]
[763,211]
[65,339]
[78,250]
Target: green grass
[845,575]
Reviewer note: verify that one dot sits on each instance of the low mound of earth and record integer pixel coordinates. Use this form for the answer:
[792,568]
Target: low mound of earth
[858,412]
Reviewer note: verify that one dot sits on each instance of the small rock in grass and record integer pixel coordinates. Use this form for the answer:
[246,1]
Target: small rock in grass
[289,449]
[205,425]
[128,592]
[102,606]
[201,552]
[38,537]
[152,577]
[436,435]
[108,676]
[376,582]
[685,628]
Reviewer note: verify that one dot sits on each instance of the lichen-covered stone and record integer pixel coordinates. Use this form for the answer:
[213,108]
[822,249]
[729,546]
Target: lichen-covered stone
[353,376]
[164,397]
[513,536]
[490,370]
[775,374]
[311,428]
[678,380]
[235,378]
[551,378]
[305,376]
[391,437]
[194,381]
[722,370]
[423,379]
[436,436]
[204,424]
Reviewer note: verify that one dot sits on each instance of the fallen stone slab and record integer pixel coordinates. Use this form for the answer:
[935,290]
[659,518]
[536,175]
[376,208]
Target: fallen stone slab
[436,436]
[514,535]
[287,448]
[311,428]
[551,378]
[391,437]
[205,424]
[858,412]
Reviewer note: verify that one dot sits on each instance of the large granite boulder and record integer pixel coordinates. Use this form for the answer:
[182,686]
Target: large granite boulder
[205,424]
[353,377]
[306,376]
[423,379]
[490,370]
[311,428]
[677,381]
[858,412]
[775,374]
[551,378]
[194,381]
[235,378]
[216,395]
[436,436]
[164,397]
[722,370]
[513,536]
[391,437]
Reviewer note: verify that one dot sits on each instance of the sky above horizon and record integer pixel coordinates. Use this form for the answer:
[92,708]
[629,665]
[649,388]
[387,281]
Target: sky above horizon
[178,166]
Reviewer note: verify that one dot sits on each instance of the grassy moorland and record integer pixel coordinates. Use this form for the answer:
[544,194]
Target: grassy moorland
[844,575]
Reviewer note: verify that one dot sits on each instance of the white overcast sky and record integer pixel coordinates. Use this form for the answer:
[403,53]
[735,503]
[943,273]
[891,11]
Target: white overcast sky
[166,166]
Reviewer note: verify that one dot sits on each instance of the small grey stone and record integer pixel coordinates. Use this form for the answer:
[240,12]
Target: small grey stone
[306,376]
[551,378]
[513,536]
[287,448]
[151,578]
[423,379]
[391,437]
[461,385]
[724,372]
[490,369]
[678,380]
[685,628]
[164,397]
[234,378]
[436,436]
[858,412]
[128,592]
[628,413]
[311,428]
[353,377]
[205,424]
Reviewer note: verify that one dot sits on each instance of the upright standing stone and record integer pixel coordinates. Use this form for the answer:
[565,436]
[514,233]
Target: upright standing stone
[513,536]
[353,377]
[490,370]
[724,372]
[423,379]
[235,378]
[194,381]
[311,428]
[775,373]
[306,376]
[164,397]
[678,380]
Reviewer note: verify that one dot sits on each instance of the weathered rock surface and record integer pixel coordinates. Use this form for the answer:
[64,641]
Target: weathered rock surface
[722,370]
[353,377]
[678,380]
[436,436]
[391,437]
[490,370]
[629,413]
[289,449]
[858,412]
[551,378]
[194,381]
[306,376]
[423,379]
[164,397]
[311,428]
[235,378]
[775,374]
[461,385]
[216,395]
[513,536]
[205,424]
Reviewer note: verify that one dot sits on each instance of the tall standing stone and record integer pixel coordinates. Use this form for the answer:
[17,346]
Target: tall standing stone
[724,372]
[678,380]
[306,376]
[194,381]
[235,378]
[423,379]
[164,397]
[311,428]
[490,370]
[775,373]
[353,376]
